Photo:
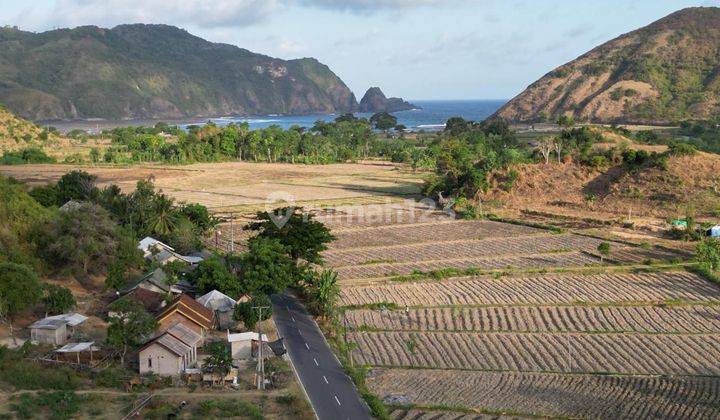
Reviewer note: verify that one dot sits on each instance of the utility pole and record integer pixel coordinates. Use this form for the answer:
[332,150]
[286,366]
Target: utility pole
[260,370]
[232,234]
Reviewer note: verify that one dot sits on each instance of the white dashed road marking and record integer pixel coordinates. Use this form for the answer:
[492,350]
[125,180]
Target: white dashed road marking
[315,360]
[336,399]
[326,381]
[308,347]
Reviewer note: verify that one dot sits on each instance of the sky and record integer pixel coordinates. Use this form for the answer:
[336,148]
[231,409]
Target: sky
[416,49]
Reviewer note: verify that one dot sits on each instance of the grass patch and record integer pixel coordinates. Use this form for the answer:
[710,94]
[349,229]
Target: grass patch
[551,228]
[53,405]
[25,374]
[228,408]
[380,261]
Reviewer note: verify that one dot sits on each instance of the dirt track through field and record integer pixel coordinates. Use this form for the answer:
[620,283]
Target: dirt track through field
[584,396]
[642,319]
[543,352]
[540,290]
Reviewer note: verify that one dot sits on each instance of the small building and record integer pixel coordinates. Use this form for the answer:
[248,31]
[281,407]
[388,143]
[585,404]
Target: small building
[222,305]
[242,344]
[78,349]
[186,310]
[170,353]
[156,281]
[162,253]
[55,329]
[49,332]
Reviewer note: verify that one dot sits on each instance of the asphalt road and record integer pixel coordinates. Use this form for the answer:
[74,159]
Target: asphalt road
[332,393]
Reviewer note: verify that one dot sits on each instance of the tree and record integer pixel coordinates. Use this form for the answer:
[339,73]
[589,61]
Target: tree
[325,291]
[94,155]
[213,274]
[604,250]
[245,313]
[565,121]
[400,128]
[20,289]
[304,237]
[266,268]
[199,216]
[219,359]
[57,299]
[545,146]
[383,121]
[130,326]
[84,239]
[708,254]
[346,117]
[163,217]
[558,145]
[76,185]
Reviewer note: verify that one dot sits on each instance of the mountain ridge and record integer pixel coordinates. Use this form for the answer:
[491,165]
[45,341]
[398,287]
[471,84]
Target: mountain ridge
[663,72]
[155,71]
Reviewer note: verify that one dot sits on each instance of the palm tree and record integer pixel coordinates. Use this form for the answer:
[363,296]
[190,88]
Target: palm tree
[327,292]
[163,217]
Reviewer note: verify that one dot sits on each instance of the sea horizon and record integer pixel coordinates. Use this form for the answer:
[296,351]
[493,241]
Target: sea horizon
[432,114]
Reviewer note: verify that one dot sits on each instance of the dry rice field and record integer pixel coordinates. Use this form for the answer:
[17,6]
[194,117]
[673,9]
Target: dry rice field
[565,289]
[560,395]
[652,354]
[606,319]
[551,333]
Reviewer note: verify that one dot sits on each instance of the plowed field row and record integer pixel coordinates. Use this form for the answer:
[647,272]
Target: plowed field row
[414,414]
[518,246]
[584,396]
[586,353]
[642,319]
[566,259]
[540,290]
[429,232]
[379,215]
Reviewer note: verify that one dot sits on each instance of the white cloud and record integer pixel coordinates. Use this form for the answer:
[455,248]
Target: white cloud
[198,13]
[366,6]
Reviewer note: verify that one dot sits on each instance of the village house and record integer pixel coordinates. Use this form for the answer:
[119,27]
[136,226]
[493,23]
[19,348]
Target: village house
[187,311]
[55,329]
[222,305]
[171,352]
[154,250]
[157,281]
[242,344]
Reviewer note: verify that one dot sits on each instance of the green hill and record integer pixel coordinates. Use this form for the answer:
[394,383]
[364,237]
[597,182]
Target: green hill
[664,72]
[155,71]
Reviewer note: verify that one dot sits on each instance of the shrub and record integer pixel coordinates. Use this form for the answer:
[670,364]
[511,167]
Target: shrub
[681,149]
[228,408]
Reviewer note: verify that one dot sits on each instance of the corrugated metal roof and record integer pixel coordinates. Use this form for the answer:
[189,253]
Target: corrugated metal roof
[217,301]
[76,347]
[56,321]
[72,319]
[184,334]
[48,324]
[173,344]
[245,336]
[191,309]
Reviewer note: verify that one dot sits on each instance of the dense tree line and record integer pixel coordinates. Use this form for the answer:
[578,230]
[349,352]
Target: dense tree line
[347,138]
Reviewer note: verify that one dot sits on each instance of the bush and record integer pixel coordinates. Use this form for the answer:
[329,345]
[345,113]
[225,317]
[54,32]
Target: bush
[682,149]
[59,404]
[29,155]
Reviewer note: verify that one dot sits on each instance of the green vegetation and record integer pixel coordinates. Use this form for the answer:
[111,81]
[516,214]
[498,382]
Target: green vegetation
[57,299]
[28,155]
[57,405]
[153,71]
[20,289]
[219,360]
[245,313]
[130,326]
[708,254]
[227,408]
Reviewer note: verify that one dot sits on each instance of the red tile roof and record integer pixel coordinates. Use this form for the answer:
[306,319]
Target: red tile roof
[190,309]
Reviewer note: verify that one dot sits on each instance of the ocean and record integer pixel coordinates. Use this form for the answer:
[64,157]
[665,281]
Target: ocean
[431,116]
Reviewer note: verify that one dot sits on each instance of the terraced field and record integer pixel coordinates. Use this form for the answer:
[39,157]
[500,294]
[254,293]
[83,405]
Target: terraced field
[639,319]
[449,230]
[540,290]
[583,396]
[583,342]
[652,354]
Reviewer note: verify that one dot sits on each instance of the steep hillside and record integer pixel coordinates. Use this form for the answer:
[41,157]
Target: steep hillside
[664,72]
[690,183]
[154,71]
